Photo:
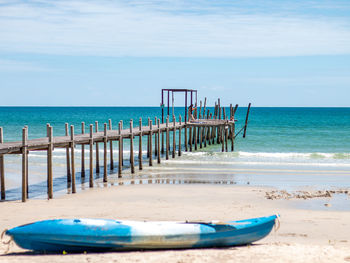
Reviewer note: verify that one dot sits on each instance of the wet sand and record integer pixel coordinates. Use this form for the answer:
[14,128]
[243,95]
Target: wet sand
[304,236]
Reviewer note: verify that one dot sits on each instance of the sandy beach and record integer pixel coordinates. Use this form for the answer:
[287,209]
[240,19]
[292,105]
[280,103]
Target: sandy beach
[304,235]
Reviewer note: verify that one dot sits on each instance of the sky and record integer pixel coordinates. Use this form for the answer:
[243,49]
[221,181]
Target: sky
[122,53]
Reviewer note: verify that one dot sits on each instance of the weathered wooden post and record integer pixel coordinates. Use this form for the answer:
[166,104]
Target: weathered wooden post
[110,147]
[105,139]
[120,154]
[2,168]
[246,121]
[132,165]
[82,152]
[190,137]
[222,131]
[186,141]
[91,142]
[226,137]
[200,135]
[148,138]
[174,137]
[150,142]
[49,163]
[27,162]
[158,137]
[167,139]
[234,111]
[205,136]
[140,144]
[72,158]
[155,138]
[69,177]
[233,136]
[195,138]
[24,164]
[97,151]
[179,150]
[122,142]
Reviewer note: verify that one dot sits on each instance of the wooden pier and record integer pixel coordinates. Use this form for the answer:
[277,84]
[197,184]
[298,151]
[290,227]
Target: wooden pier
[206,129]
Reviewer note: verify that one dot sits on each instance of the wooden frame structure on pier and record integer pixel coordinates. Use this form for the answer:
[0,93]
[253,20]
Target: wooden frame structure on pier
[172,91]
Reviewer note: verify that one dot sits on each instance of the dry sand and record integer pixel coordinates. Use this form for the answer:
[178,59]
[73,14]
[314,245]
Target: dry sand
[304,236]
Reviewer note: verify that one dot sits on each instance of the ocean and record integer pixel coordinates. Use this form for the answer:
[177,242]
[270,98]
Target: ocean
[284,148]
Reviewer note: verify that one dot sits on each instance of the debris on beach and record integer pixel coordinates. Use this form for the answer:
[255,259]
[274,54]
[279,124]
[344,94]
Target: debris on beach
[283,194]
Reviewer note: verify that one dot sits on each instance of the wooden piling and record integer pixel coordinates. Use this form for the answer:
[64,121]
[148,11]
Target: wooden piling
[222,131]
[72,158]
[105,140]
[91,142]
[190,138]
[150,142]
[49,163]
[233,136]
[179,150]
[167,139]
[140,144]
[82,152]
[97,151]
[148,139]
[234,111]
[226,137]
[27,163]
[111,161]
[69,176]
[2,168]
[246,121]
[158,137]
[122,144]
[24,164]
[174,136]
[132,165]
[120,153]
[155,138]
[200,135]
[195,138]
[186,141]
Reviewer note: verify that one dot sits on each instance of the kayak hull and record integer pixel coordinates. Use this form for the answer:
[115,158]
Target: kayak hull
[78,235]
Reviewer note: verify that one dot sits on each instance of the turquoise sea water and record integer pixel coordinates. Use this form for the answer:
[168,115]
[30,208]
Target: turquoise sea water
[273,130]
[300,143]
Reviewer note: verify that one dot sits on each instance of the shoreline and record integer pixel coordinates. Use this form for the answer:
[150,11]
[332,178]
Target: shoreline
[305,230]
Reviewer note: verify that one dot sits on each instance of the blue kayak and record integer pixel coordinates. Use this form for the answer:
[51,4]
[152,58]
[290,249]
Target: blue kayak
[78,235]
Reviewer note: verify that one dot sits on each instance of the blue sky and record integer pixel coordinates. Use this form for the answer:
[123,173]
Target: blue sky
[120,53]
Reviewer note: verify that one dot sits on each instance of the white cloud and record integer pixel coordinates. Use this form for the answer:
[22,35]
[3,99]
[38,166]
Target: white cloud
[114,28]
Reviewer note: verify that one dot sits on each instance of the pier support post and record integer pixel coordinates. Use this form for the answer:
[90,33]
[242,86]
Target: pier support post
[167,139]
[49,163]
[155,138]
[186,147]
[69,176]
[233,137]
[150,142]
[2,168]
[72,158]
[24,164]
[190,138]
[132,165]
[195,138]
[91,142]
[148,138]
[179,150]
[120,154]
[111,165]
[200,135]
[226,137]
[140,144]
[222,131]
[105,139]
[174,137]
[82,152]
[97,151]
[158,137]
